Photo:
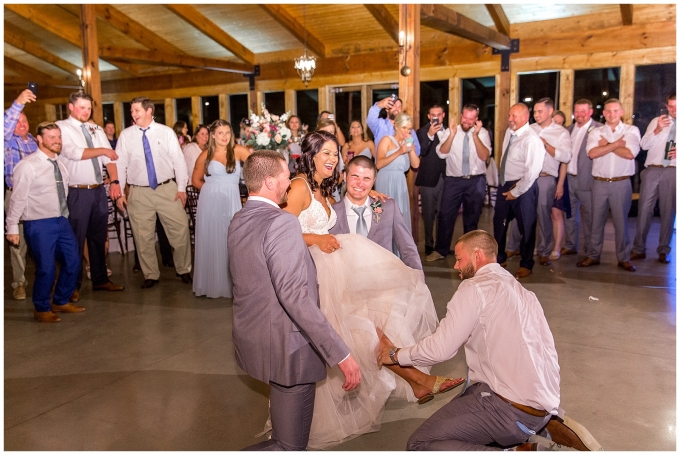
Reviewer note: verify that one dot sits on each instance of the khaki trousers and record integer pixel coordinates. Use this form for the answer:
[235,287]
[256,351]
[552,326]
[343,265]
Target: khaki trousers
[17,255]
[143,205]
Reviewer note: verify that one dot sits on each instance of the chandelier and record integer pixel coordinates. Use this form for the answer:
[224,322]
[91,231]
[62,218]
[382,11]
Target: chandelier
[305,64]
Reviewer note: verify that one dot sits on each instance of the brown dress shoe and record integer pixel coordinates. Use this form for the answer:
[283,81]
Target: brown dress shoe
[67,308]
[108,286]
[634,256]
[587,262]
[46,316]
[662,258]
[544,260]
[522,272]
[512,253]
[627,266]
[564,251]
[75,297]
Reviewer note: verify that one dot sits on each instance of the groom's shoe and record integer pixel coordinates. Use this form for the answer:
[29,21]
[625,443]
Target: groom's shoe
[434,256]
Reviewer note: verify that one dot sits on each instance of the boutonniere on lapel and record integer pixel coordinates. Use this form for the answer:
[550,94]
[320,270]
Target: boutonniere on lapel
[92,128]
[592,127]
[377,210]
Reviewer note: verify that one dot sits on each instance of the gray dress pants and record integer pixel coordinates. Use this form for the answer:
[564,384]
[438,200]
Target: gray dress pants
[473,420]
[657,183]
[617,197]
[577,229]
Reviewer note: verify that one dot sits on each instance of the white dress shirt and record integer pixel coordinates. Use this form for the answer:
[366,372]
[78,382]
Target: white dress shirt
[165,150]
[352,216]
[578,133]
[507,340]
[655,144]
[35,194]
[611,165]
[191,152]
[263,199]
[558,137]
[454,159]
[525,159]
[74,144]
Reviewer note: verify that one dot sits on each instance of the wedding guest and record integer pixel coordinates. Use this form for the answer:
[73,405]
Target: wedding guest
[338,133]
[39,199]
[381,127]
[396,155]
[110,131]
[559,118]
[358,145]
[182,131]
[244,131]
[198,145]
[216,175]
[294,124]
[19,144]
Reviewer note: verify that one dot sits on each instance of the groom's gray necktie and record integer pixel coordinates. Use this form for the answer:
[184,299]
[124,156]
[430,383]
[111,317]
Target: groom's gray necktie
[361,222]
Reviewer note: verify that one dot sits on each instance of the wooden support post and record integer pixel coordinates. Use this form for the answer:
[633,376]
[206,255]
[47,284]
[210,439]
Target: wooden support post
[409,89]
[502,111]
[627,91]
[567,94]
[365,105]
[290,101]
[170,112]
[50,113]
[455,106]
[196,112]
[259,99]
[93,86]
[323,100]
[224,107]
[118,117]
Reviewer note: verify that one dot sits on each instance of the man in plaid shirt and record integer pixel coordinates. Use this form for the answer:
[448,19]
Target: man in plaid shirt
[19,143]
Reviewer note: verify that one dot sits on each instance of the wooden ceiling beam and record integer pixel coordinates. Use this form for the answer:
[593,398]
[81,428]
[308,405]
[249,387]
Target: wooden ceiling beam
[204,25]
[168,59]
[29,73]
[15,81]
[295,28]
[500,20]
[385,19]
[626,14]
[444,19]
[134,30]
[14,37]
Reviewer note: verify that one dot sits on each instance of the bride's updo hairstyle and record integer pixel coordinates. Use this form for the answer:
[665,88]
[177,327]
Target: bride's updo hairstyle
[311,145]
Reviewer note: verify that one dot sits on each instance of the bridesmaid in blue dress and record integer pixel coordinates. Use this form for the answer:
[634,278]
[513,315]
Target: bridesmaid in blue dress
[357,144]
[216,174]
[395,156]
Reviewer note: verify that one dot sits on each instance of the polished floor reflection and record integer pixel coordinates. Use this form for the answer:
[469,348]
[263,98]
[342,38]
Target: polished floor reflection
[155,369]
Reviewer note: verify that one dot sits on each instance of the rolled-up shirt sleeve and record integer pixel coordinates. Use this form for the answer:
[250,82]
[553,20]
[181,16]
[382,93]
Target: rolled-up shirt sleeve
[533,163]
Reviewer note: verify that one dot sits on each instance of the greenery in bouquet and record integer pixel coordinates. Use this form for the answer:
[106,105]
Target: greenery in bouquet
[268,132]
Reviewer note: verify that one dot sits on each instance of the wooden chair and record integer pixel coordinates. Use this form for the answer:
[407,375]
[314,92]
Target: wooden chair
[190,207]
[114,225]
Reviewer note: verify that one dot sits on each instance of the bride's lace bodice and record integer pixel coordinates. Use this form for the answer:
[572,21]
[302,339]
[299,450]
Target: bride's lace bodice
[314,219]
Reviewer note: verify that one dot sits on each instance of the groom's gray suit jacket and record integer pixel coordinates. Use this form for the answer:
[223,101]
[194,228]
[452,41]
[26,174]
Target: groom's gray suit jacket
[391,228]
[279,332]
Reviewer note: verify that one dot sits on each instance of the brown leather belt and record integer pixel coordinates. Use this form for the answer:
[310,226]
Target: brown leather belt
[545,174]
[615,179]
[147,186]
[528,409]
[658,165]
[86,187]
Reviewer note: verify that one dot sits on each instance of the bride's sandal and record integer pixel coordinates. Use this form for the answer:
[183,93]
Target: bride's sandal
[437,388]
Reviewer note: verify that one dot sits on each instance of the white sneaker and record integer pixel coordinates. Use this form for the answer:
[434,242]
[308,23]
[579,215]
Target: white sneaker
[555,255]
[434,256]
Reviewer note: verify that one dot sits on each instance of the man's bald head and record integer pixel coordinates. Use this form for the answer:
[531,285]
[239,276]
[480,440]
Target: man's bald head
[518,116]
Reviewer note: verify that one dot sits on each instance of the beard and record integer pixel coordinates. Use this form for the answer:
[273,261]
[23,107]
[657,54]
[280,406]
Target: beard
[391,115]
[467,272]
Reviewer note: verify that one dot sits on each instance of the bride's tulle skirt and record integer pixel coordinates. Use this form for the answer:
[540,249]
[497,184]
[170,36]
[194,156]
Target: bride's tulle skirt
[362,287]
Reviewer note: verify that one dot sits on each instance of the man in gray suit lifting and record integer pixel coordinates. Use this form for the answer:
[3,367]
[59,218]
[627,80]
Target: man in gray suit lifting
[381,222]
[280,335]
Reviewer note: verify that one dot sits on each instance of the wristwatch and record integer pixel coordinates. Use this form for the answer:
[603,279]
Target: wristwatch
[393,353]
[115,182]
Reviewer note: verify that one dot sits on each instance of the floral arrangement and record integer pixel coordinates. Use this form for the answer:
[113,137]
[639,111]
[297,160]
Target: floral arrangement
[268,132]
[377,210]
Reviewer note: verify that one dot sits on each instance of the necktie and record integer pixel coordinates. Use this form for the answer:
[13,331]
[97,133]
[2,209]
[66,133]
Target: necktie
[466,155]
[671,137]
[505,159]
[361,222]
[63,208]
[95,161]
[150,168]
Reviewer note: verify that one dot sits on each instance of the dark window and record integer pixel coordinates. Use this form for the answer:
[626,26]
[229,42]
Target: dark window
[432,92]
[238,109]
[210,106]
[127,116]
[481,91]
[183,112]
[653,84]
[534,86]
[275,102]
[62,112]
[347,108]
[159,111]
[307,106]
[598,86]
[108,111]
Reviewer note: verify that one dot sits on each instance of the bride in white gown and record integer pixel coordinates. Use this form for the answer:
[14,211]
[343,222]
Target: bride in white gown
[363,290]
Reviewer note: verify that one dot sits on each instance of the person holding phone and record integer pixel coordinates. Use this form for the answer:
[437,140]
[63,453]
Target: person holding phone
[381,127]
[658,183]
[19,143]
[396,155]
[358,145]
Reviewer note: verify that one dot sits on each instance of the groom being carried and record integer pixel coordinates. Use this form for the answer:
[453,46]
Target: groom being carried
[381,222]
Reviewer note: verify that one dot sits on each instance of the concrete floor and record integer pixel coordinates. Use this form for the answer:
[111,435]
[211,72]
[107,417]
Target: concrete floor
[155,369]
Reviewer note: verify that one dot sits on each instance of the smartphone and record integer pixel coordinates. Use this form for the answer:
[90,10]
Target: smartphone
[393,97]
[32,86]
[435,121]
[663,112]
[331,117]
